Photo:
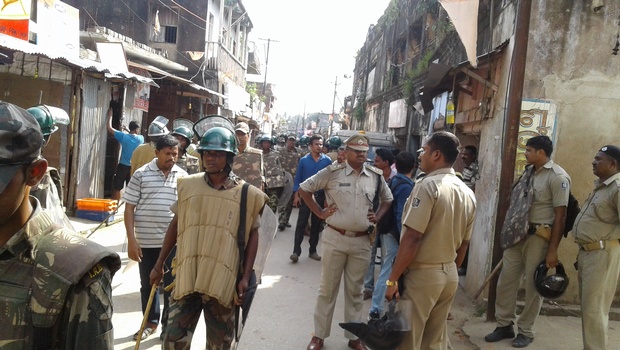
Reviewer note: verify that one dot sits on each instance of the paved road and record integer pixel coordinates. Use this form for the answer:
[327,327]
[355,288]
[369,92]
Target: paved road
[282,313]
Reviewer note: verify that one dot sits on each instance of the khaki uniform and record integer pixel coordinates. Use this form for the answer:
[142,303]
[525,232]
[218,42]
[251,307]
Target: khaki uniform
[333,155]
[143,154]
[249,166]
[551,189]
[345,254]
[274,178]
[49,301]
[597,231]
[442,208]
[208,259]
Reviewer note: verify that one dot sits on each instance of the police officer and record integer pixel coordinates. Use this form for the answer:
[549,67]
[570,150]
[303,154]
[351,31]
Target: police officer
[145,153]
[303,145]
[437,223]
[289,157]
[349,190]
[49,301]
[49,190]
[208,244]
[333,143]
[597,231]
[550,187]
[248,164]
[185,161]
[274,173]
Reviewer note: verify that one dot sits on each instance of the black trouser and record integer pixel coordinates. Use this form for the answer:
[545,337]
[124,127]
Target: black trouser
[315,226]
[149,257]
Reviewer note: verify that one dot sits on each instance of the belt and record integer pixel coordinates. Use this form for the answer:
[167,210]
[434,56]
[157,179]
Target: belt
[348,233]
[533,227]
[419,265]
[599,245]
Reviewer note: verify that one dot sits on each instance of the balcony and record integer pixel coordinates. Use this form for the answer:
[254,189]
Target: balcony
[220,60]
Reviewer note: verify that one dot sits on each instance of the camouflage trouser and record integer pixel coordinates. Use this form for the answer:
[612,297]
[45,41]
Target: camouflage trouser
[183,316]
[285,212]
[274,196]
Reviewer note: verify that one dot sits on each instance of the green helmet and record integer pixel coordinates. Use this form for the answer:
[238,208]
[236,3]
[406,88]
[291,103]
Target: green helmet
[49,118]
[265,138]
[218,139]
[334,142]
[303,141]
[158,127]
[183,131]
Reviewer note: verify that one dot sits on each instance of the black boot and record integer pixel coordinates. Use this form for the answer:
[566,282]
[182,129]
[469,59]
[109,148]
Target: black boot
[500,333]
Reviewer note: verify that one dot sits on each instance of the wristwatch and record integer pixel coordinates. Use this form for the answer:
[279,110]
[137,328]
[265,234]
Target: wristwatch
[391,283]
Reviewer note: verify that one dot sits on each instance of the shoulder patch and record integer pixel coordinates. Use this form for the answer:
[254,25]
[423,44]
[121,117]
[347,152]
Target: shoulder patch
[374,169]
[337,166]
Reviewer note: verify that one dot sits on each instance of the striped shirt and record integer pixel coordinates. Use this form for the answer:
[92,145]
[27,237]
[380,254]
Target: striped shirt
[152,194]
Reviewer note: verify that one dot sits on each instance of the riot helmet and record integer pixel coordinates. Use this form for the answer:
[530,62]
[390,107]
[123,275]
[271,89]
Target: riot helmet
[158,127]
[550,286]
[334,143]
[384,333]
[218,139]
[49,118]
[184,132]
[303,141]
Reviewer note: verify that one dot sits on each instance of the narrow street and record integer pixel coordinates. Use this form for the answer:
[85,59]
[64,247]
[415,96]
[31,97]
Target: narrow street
[282,312]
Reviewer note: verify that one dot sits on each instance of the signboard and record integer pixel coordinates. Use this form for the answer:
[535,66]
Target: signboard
[537,118]
[15,18]
[54,17]
[113,56]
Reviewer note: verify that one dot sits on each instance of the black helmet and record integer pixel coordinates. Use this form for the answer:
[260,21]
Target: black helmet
[385,333]
[552,286]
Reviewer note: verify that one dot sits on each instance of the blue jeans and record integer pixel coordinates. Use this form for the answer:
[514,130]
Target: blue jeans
[389,248]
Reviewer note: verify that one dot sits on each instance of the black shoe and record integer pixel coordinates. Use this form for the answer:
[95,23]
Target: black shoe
[294,257]
[287,225]
[373,315]
[521,341]
[500,333]
[281,227]
[462,271]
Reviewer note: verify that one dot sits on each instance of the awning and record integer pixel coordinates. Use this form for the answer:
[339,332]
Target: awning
[165,74]
[440,78]
[28,48]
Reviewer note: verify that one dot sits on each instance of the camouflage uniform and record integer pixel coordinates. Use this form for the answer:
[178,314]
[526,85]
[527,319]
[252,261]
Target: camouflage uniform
[289,160]
[248,165]
[274,178]
[189,163]
[73,303]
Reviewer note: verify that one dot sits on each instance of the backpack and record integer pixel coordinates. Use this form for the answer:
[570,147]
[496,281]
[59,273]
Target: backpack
[572,210]
[387,224]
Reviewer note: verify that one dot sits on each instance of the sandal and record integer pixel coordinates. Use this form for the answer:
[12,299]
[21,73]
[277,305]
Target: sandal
[145,333]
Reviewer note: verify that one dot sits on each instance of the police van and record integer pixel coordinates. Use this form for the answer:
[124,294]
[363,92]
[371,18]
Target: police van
[376,140]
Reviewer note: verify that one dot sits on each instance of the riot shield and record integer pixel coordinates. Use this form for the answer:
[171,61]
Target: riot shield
[210,121]
[182,122]
[287,191]
[266,234]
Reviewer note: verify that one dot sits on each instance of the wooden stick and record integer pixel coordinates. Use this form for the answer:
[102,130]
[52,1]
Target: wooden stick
[488,279]
[146,316]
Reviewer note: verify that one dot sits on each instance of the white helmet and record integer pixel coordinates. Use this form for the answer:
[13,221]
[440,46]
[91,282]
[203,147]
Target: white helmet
[158,127]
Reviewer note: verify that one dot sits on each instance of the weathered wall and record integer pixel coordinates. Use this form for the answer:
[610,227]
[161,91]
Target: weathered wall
[490,160]
[569,62]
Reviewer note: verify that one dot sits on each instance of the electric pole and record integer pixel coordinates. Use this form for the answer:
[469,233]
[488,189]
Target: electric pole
[331,124]
[269,40]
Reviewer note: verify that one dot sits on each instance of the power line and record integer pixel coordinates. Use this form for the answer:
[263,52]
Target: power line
[269,40]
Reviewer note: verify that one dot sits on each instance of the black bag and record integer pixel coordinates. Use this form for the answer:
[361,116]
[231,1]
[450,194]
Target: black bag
[572,210]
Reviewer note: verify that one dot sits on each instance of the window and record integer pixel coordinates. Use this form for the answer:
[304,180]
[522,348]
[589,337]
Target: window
[170,34]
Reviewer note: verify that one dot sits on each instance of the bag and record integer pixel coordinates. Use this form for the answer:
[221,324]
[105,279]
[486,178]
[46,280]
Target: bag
[516,223]
[388,223]
[572,210]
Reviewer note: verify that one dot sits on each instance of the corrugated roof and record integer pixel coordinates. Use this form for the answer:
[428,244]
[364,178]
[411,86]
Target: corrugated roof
[26,47]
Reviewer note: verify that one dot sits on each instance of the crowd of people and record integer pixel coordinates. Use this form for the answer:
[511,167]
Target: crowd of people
[193,217]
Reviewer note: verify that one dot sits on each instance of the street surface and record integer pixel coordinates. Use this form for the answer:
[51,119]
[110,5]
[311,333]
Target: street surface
[282,312]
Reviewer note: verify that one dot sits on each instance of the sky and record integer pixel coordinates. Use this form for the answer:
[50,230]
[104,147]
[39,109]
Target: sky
[313,42]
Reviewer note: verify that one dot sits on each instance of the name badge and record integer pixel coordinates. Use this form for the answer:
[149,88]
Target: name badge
[344,184]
